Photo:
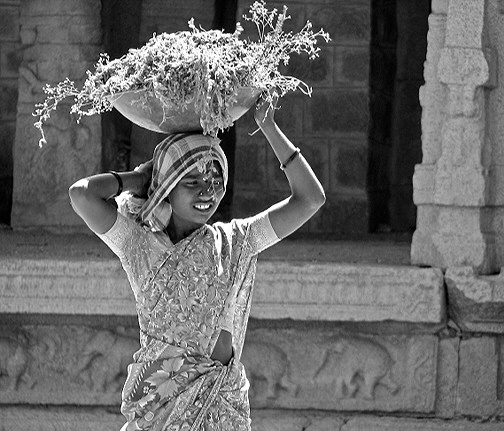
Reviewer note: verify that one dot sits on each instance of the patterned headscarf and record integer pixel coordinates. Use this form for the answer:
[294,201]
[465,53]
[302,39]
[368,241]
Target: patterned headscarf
[173,158]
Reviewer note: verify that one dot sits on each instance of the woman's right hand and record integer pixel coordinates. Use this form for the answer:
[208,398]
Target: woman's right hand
[90,196]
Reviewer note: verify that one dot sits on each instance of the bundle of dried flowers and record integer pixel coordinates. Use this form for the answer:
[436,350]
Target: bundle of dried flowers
[193,70]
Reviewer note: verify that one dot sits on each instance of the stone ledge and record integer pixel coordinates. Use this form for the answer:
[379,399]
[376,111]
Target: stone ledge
[475,302]
[323,291]
[26,419]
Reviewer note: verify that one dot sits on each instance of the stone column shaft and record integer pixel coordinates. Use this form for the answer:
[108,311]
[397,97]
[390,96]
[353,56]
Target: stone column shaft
[456,219]
[60,39]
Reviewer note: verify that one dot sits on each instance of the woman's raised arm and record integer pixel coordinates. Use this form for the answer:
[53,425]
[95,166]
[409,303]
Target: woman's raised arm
[89,196]
[307,194]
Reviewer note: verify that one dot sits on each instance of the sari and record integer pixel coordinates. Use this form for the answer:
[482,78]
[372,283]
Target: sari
[185,294]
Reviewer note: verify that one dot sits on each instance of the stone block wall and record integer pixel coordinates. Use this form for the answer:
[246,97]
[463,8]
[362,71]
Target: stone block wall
[392,362]
[331,127]
[10,57]
[58,39]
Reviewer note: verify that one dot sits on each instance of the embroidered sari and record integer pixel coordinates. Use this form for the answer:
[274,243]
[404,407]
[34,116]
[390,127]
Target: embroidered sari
[185,294]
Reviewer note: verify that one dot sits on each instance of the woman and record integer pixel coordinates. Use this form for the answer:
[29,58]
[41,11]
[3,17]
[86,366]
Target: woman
[192,281]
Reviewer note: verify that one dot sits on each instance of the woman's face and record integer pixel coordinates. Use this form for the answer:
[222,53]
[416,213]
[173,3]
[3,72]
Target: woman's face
[196,196]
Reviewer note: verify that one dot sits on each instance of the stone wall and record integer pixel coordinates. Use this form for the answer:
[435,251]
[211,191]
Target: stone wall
[335,346]
[58,39]
[330,127]
[9,61]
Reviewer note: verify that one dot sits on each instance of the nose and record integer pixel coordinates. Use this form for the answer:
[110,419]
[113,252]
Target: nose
[207,189]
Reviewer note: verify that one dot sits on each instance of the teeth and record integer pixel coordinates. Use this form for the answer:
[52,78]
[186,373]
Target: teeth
[202,206]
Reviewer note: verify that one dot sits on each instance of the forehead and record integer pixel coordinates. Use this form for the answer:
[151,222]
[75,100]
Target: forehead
[211,169]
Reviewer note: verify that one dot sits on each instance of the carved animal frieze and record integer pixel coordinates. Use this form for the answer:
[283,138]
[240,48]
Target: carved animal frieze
[354,367]
[267,363]
[102,365]
[14,360]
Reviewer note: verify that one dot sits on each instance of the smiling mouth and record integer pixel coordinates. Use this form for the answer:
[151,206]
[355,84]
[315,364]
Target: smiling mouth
[203,206]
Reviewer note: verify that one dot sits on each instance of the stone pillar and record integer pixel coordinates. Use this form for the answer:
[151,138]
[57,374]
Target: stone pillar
[60,38]
[458,222]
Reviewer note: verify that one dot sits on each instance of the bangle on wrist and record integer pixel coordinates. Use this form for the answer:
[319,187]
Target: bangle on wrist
[119,181]
[296,153]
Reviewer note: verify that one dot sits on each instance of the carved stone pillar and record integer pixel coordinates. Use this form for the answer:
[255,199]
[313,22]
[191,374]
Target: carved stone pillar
[458,221]
[60,39]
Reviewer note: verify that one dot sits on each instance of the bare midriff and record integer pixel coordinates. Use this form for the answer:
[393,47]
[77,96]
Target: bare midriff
[223,350]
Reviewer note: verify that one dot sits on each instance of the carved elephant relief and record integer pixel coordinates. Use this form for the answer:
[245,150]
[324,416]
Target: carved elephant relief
[354,367]
[267,363]
[14,358]
[102,365]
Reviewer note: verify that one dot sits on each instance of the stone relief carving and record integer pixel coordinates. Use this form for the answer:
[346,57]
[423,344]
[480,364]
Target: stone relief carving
[102,364]
[423,376]
[268,363]
[14,360]
[31,79]
[355,367]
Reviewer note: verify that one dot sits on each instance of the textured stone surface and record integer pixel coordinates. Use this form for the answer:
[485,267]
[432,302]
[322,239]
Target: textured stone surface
[465,24]
[353,66]
[351,166]
[349,293]
[452,236]
[96,419]
[454,184]
[57,419]
[336,114]
[495,111]
[334,369]
[447,377]
[9,22]
[345,22]
[302,291]
[10,59]
[480,381]
[475,302]
[67,287]
[406,424]
[64,365]
[318,368]
[42,176]
[338,111]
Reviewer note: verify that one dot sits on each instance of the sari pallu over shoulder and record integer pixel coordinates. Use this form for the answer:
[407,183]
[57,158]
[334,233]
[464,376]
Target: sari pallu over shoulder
[186,393]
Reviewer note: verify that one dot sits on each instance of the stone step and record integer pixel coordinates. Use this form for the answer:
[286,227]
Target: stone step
[99,419]
[298,290]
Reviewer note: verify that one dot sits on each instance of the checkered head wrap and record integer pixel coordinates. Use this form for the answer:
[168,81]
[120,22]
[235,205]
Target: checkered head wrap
[173,158]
